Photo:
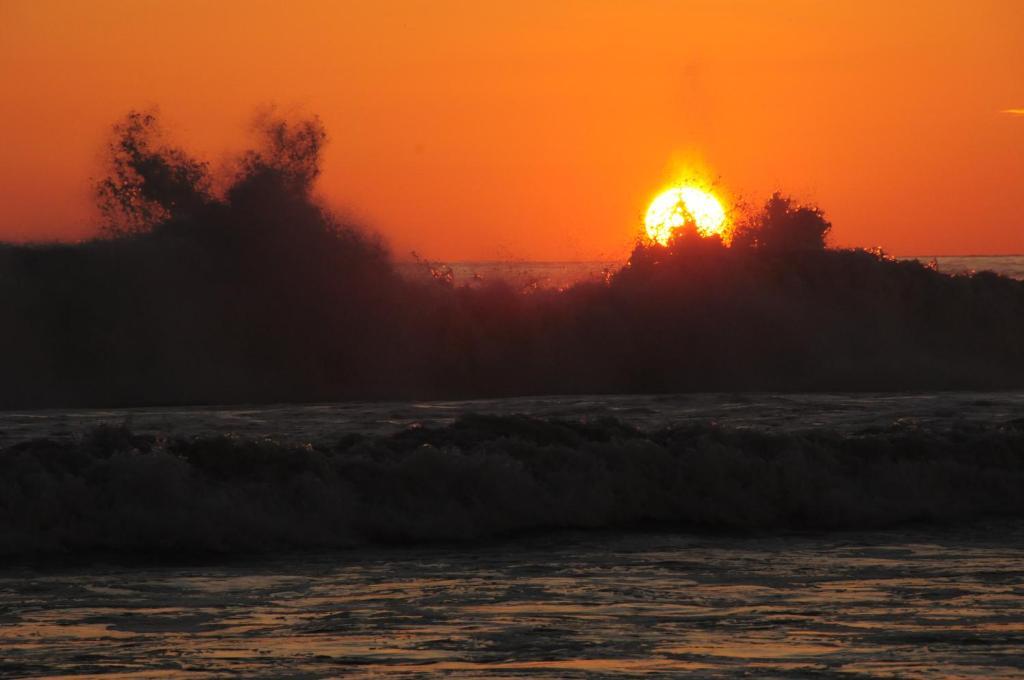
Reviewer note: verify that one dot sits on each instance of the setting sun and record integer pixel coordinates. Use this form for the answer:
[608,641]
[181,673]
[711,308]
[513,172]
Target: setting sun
[679,206]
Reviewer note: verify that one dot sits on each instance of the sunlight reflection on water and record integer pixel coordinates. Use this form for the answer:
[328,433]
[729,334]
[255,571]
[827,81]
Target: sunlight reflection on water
[911,603]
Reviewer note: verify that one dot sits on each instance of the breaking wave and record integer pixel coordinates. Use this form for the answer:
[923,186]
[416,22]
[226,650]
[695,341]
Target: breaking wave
[488,476]
[245,289]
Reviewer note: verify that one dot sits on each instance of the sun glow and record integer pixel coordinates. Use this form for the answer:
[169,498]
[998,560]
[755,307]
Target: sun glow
[684,205]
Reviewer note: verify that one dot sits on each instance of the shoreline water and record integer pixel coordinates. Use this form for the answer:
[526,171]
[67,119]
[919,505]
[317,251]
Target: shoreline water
[912,603]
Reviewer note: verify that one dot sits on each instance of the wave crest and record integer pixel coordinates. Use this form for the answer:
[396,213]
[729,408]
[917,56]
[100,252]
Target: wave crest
[258,293]
[486,476]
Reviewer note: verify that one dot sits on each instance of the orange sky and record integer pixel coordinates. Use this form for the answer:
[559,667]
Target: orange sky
[540,130]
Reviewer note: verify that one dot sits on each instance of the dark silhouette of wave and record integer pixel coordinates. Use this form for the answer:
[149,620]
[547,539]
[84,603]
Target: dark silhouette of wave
[488,476]
[254,292]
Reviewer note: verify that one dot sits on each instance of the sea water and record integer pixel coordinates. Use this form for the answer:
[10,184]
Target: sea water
[934,599]
[526,274]
[939,599]
[907,603]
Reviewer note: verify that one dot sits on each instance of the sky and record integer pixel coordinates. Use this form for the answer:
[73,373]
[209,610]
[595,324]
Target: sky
[541,130]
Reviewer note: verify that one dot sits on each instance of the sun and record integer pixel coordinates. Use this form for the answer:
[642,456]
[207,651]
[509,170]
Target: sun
[681,205]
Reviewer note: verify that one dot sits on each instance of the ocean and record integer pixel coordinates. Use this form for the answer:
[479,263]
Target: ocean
[704,535]
[561,274]
[870,534]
